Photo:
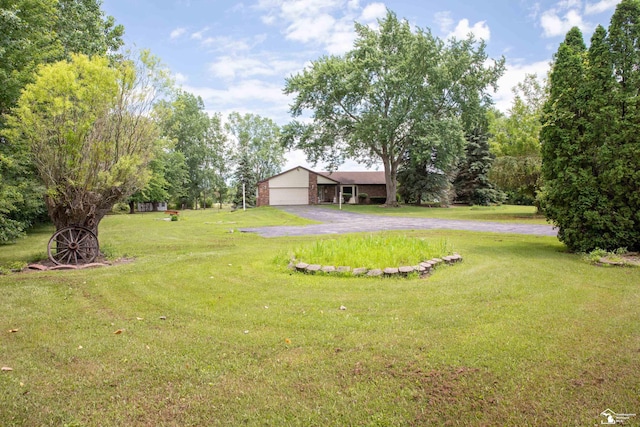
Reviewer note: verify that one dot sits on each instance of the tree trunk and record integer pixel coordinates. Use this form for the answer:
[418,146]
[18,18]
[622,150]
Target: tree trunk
[390,177]
[132,207]
[81,208]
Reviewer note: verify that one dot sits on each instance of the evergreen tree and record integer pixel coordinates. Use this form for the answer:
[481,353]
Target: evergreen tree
[422,181]
[245,175]
[472,183]
[566,193]
[619,156]
[591,137]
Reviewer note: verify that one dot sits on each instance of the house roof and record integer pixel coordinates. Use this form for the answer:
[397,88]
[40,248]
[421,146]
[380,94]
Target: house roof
[357,178]
[361,178]
[287,171]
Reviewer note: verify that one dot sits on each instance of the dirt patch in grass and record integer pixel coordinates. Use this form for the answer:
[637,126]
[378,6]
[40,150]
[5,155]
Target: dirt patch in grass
[437,396]
[441,393]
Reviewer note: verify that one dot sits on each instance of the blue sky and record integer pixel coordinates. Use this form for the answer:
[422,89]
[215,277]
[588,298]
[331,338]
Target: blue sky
[236,55]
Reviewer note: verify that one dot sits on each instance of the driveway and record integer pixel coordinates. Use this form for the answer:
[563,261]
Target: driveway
[340,222]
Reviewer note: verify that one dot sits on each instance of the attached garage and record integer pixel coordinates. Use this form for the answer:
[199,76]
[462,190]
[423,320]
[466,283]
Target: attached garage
[296,186]
[288,196]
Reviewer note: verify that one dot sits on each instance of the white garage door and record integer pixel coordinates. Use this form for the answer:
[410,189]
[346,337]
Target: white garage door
[288,196]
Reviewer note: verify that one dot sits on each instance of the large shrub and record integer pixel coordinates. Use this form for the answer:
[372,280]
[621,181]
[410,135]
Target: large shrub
[591,136]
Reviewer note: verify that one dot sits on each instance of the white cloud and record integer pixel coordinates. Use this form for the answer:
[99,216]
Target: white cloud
[226,44]
[311,28]
[569,4]
[444,21]
[599,7]
[559,19]
[324,23]
[228,67]
[234,46]
[480,30]
[180,78]
[515,73]
[232,67]
[341,39]
[373,12]
[534,11]
[248,91]
[199,35]
[177,33]
[555,25]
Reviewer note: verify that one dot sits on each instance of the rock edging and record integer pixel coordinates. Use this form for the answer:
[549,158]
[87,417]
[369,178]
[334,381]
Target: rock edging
[423,269]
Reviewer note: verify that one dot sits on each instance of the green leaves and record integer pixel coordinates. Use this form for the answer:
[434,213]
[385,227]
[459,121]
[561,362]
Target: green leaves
[591,137]
[257,154]
[89,133]
[383,101]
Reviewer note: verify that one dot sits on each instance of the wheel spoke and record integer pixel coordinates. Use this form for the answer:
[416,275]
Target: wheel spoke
[62,235]
[60,255]
[83,238]
[72,254]
[90,243]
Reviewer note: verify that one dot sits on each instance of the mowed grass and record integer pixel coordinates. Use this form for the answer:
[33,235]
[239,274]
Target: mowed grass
[503,213]
[519,333]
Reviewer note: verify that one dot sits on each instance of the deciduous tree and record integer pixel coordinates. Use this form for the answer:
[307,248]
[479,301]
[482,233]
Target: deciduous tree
[35,32]
[90,134]
[257,152]
[397,91]
[185,122]
[515,141]
[591,137]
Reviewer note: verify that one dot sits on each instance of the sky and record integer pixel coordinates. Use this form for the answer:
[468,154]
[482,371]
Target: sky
[237,55]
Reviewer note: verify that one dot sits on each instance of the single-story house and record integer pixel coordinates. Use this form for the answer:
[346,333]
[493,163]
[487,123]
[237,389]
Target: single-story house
[302,186]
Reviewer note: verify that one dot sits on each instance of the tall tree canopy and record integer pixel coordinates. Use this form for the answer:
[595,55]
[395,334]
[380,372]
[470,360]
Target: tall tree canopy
[35,32]
[397,91]
[89,131]
[184,121]
[32,33]
[591,136]
[257,154]
[515,141]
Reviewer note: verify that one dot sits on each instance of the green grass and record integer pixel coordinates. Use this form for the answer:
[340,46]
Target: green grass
[503,213]
[519,333]
[371,250]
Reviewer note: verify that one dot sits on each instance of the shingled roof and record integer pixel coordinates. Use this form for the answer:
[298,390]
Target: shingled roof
[357,178]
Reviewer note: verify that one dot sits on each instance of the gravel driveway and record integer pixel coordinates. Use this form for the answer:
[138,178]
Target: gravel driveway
[340,222]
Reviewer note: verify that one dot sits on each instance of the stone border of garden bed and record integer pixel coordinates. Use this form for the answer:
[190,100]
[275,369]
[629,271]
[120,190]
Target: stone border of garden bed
[424,268]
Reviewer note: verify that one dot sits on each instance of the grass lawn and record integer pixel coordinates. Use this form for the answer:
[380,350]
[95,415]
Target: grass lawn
[503,213]
[215,330]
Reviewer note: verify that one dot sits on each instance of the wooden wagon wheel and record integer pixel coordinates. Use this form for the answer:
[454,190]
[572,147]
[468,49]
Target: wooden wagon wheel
[73,245]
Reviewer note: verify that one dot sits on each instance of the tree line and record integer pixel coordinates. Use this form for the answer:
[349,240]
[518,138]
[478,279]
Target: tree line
[402,98]
[85,124]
